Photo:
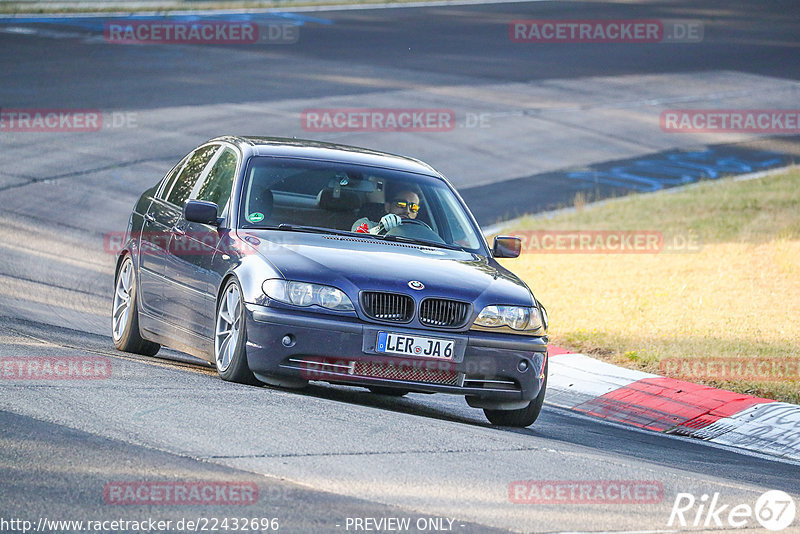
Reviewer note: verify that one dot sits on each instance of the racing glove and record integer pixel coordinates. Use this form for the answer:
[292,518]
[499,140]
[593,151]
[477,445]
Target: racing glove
[389,221]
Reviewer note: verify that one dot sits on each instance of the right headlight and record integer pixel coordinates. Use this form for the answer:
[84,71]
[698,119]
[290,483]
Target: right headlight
[305,294]
[515,319]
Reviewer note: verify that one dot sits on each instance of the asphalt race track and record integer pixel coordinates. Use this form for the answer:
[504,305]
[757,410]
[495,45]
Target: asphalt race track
[325,456]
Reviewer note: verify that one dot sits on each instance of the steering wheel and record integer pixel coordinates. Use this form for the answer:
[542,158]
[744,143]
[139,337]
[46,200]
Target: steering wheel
[415,221]
[413,228]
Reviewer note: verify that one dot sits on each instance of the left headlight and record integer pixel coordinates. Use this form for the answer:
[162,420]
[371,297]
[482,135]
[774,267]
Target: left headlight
[305,294]
[515,319]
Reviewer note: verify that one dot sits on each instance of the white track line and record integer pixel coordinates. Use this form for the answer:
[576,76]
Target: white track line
[298,9]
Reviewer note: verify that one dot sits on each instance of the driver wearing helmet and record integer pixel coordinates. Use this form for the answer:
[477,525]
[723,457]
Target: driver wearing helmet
[403,205]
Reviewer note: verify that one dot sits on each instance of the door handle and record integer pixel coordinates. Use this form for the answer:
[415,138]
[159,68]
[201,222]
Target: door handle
[177,230]
[149,217]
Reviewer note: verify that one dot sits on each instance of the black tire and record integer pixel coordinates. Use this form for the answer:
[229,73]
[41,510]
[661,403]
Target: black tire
[125,313]
[231,363]
[521,417]
[389,392]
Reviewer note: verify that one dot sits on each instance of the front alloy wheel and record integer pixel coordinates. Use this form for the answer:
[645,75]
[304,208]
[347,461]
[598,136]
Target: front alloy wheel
[230,336]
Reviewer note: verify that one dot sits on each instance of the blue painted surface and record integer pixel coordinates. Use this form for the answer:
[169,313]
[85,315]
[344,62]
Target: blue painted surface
[678,168]
[381,346]
[499,201]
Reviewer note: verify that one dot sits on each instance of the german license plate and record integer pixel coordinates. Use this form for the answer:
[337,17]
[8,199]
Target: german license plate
[415,345]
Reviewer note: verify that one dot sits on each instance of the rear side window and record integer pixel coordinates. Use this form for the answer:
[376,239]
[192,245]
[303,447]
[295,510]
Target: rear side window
[216,187]
[182,187]
[169,179]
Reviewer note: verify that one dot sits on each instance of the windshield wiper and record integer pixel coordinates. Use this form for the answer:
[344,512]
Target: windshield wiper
[332,231]
[314,230]
[423,242]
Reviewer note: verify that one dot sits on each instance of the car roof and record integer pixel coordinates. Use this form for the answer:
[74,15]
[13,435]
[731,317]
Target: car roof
[319,150]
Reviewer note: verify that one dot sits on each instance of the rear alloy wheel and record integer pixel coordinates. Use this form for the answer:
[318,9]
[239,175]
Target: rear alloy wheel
[125,314]
[230,336]
[522,417]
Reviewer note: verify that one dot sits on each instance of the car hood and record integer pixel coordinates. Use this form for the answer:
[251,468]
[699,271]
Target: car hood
[354,264]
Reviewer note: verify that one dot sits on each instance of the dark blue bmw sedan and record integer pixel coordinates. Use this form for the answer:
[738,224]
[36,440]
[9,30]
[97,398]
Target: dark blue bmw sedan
[283,261]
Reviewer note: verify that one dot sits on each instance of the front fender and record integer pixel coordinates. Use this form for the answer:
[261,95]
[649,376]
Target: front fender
[251,270]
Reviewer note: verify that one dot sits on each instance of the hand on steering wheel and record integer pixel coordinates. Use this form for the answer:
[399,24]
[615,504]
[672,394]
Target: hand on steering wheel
[387,222]
[390,221]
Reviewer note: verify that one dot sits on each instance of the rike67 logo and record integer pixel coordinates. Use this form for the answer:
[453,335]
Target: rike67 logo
[774,510]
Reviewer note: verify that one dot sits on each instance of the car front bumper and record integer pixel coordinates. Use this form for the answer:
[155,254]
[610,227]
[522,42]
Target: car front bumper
[288,347]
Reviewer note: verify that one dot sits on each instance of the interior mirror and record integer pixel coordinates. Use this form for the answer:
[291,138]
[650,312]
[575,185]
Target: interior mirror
[200,211]
[345,182]
[506,247]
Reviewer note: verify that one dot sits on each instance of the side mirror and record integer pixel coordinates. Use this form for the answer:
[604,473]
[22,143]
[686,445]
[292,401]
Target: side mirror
[506,247]
[200,211]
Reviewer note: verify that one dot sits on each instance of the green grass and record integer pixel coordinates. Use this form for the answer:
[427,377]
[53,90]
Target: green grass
[737,297]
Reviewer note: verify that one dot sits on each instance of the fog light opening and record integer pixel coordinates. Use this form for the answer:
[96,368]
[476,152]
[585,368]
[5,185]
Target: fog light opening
[523,366]
[288,340]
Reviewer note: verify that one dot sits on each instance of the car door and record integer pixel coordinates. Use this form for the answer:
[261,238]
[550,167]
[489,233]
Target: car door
[167,212]
[153,244]
[192,247]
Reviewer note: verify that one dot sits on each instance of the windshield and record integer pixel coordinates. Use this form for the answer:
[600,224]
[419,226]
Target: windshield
[329,196]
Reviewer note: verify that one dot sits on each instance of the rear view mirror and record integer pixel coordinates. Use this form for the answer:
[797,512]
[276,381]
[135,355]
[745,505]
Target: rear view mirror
[506,247]
[200,211]
[343,181]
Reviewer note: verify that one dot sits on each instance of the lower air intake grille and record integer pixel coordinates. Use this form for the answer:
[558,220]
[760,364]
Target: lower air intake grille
[387,306]
[443,313]
[406,372]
